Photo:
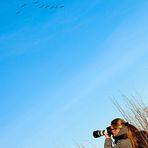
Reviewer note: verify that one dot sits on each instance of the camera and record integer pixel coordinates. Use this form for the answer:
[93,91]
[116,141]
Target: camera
[99,133]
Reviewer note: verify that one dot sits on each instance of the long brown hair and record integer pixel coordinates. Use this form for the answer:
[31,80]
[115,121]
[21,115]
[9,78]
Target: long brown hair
[130,129]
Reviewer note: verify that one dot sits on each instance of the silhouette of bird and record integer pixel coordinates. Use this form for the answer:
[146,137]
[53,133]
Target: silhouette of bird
[36,2]
[61,6]
[41,6]
[18,12]
[47,6]
[53,7]
[23,5]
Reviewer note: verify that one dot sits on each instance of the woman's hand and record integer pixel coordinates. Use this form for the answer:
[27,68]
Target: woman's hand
[106,135]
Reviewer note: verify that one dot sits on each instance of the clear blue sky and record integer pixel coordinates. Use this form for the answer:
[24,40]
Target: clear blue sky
[60,67]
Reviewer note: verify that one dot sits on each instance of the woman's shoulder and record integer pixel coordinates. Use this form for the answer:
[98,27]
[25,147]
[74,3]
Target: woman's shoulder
[124,143]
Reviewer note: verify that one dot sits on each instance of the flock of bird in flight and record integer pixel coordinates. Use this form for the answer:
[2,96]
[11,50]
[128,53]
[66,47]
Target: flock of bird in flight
[39,5]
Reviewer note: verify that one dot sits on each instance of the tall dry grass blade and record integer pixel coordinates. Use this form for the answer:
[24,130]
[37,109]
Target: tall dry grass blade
[136,113]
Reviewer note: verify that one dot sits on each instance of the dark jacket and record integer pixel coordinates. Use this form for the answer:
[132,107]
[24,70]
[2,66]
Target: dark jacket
[121,141]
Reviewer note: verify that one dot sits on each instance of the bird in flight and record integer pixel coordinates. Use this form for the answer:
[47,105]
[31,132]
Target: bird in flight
[47,6]
[61,6]
[36,2]
[18,12]
[23,5]
[53,7]
[41,6]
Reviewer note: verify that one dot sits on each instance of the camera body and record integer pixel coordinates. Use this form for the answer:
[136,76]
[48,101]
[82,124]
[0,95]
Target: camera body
[99,133]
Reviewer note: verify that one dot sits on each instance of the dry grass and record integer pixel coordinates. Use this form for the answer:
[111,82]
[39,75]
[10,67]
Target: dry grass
[136,113]
[87,144]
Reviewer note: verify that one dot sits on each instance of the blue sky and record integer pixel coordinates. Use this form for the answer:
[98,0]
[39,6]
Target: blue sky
[61,66]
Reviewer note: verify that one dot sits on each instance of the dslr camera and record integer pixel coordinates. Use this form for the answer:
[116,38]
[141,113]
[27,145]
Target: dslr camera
[99,133]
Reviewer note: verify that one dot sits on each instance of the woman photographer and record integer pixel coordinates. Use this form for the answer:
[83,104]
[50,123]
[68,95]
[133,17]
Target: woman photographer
[124,135]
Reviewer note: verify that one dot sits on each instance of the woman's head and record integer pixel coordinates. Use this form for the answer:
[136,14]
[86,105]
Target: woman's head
[116,126]
[118,123]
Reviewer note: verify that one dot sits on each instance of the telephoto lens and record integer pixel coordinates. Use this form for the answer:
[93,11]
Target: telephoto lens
[98,133]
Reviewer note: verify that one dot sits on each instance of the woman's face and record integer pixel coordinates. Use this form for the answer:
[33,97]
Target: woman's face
[115,131]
